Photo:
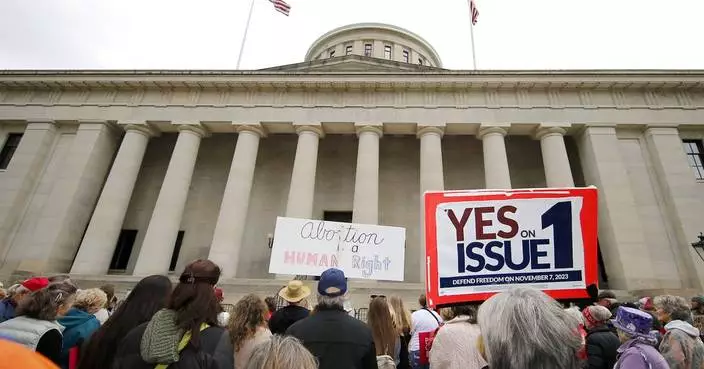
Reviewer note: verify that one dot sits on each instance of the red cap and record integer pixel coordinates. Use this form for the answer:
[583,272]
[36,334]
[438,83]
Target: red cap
[218,294]
[35,284]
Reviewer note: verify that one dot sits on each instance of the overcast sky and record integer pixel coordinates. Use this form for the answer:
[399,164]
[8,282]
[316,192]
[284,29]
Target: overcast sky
[206,34]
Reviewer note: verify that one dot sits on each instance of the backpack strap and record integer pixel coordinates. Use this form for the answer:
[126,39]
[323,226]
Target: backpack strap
[182,345]
[433,315]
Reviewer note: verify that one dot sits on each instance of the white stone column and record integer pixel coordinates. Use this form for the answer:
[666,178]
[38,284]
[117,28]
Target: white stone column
[431,179]
[496,172]
[24,171]
[620,230]
[302,190]
[229,229]
[365,207]
[555,160]
[158,244]
[103,230]
[682,197]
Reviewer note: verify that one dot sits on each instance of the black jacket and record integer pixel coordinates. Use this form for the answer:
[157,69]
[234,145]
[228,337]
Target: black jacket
[337,340]
[285,317]
[216,352]
[602,344]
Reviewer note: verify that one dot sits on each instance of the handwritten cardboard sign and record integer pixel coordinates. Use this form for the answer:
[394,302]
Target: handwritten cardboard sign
[481,242]
[309,247]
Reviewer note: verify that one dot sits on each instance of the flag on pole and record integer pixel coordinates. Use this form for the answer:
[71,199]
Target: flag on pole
[281,6]
[474,11]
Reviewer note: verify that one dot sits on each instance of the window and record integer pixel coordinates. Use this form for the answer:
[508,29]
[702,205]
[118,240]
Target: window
[406,57]
[123,249]
[332,53]
[420,61]
[177,250]
[8,151]
[348,50]
[338,216]
[367,49]
[695,156]
[387,52]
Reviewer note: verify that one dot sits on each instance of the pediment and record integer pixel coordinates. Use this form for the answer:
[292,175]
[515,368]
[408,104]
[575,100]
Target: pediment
[351,63]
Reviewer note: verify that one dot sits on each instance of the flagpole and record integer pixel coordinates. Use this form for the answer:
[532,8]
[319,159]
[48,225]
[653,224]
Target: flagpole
[244,37]
[471,34]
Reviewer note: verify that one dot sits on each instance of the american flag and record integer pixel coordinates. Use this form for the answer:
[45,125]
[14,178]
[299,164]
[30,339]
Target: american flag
[475,12]
[281,6]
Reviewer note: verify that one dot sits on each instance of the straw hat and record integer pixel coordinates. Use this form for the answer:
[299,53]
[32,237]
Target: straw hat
[295,291]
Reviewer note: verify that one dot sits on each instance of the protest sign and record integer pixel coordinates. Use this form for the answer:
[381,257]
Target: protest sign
[481,242]
[309,247]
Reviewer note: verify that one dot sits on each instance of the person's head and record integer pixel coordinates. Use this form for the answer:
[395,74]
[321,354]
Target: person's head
[90,300]
[332,290]
[248,315]
[28,286]
[525,328]
[595,316]
[109,290]
[281,352]
[148,296]
[606,299]
[401,316]
[575,314]
[422,301]
[646,304]
[48,303]
[632,323]
[465,310]
[669,308]
[60,278]
[382,326]
[697,304]
[294,292]
[270,304]
[193,299]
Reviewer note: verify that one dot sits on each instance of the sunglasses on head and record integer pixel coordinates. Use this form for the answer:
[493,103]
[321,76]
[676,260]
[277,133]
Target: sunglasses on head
[375,296]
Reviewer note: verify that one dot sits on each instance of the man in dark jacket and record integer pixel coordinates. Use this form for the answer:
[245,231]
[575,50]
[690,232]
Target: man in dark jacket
[602,344]
[283,318]
[335,338]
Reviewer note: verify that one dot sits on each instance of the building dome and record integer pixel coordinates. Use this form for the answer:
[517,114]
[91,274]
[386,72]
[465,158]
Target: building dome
[376,40]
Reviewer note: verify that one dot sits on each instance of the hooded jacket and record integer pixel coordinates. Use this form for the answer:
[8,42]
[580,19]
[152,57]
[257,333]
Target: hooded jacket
[156,342]
[79,326]
[681,346]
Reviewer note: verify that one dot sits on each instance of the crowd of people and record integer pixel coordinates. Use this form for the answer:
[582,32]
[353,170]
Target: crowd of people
[50,323]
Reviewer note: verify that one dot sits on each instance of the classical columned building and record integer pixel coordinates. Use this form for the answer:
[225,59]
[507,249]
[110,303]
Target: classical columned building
[139,172]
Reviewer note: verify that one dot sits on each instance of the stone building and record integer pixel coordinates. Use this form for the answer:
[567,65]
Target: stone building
[139,172]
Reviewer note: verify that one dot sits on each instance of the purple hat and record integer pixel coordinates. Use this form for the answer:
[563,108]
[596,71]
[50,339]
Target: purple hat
[633,322]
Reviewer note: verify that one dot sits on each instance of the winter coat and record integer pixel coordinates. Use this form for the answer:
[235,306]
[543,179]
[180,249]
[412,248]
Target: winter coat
[7,309]
[681,346]
[79,326]
[337,340]
[455,346]
[156,342]
[602,346]
[635,354]
[285,317]
[42,336]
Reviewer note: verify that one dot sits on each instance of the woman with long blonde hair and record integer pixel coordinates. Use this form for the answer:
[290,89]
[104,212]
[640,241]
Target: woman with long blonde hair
[386,340]
[402,322]
[248,328]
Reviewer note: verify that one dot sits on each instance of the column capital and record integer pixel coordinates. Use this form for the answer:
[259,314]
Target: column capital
[253,128]
[424,130]
[142,128]
[545,131]
[653,130]
[196,128]
[310,128]
[359,129]
[487,130]
[41,124]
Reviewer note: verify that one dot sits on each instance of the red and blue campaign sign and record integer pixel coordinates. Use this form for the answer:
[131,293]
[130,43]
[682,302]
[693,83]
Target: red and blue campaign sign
[481,242]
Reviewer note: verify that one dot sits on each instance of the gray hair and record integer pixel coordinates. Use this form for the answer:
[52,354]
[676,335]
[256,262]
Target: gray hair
[678,307]
[281,352]
[575,314]
[524,328]
[327,302]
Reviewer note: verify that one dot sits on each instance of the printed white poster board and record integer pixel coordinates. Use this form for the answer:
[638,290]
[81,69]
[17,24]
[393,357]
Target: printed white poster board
[309,247]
